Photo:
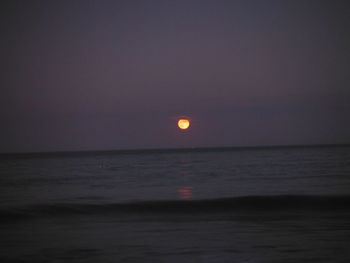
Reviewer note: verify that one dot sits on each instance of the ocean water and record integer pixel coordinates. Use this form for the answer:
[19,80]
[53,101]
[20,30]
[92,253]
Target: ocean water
[278,204]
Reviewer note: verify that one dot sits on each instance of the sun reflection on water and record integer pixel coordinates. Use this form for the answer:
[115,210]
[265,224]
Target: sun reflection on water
[185,192]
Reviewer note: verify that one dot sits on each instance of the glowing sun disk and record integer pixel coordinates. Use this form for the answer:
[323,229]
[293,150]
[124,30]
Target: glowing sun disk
[183,124]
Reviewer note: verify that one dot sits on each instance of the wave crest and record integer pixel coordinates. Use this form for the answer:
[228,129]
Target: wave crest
[222,205]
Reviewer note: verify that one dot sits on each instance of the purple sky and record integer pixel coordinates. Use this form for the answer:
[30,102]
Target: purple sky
[88,75]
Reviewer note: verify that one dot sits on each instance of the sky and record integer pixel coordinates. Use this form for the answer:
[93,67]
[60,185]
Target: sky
[105,75]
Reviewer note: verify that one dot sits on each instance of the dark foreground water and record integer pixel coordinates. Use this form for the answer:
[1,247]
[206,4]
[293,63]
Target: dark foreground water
[220,205]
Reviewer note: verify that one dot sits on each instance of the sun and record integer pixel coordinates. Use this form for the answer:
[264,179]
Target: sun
[183,124]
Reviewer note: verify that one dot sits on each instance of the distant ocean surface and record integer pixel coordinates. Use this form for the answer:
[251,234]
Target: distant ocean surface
[277,204]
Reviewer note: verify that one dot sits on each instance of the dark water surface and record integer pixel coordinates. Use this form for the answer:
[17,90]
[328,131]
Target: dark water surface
[287,204]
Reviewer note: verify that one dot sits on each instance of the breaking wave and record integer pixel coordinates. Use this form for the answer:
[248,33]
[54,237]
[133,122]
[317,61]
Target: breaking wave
[222,205]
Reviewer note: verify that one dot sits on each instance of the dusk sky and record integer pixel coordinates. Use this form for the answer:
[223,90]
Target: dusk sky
[104,75]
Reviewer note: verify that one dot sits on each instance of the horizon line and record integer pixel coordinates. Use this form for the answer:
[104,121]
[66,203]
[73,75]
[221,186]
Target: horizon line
[172,149]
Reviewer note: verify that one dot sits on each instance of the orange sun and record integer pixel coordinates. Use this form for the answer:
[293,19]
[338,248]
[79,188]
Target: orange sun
[183,124]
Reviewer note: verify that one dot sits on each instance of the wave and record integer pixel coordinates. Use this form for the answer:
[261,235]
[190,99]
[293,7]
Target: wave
[275,203]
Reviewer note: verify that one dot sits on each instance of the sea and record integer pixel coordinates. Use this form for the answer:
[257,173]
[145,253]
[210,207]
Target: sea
[257,204]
